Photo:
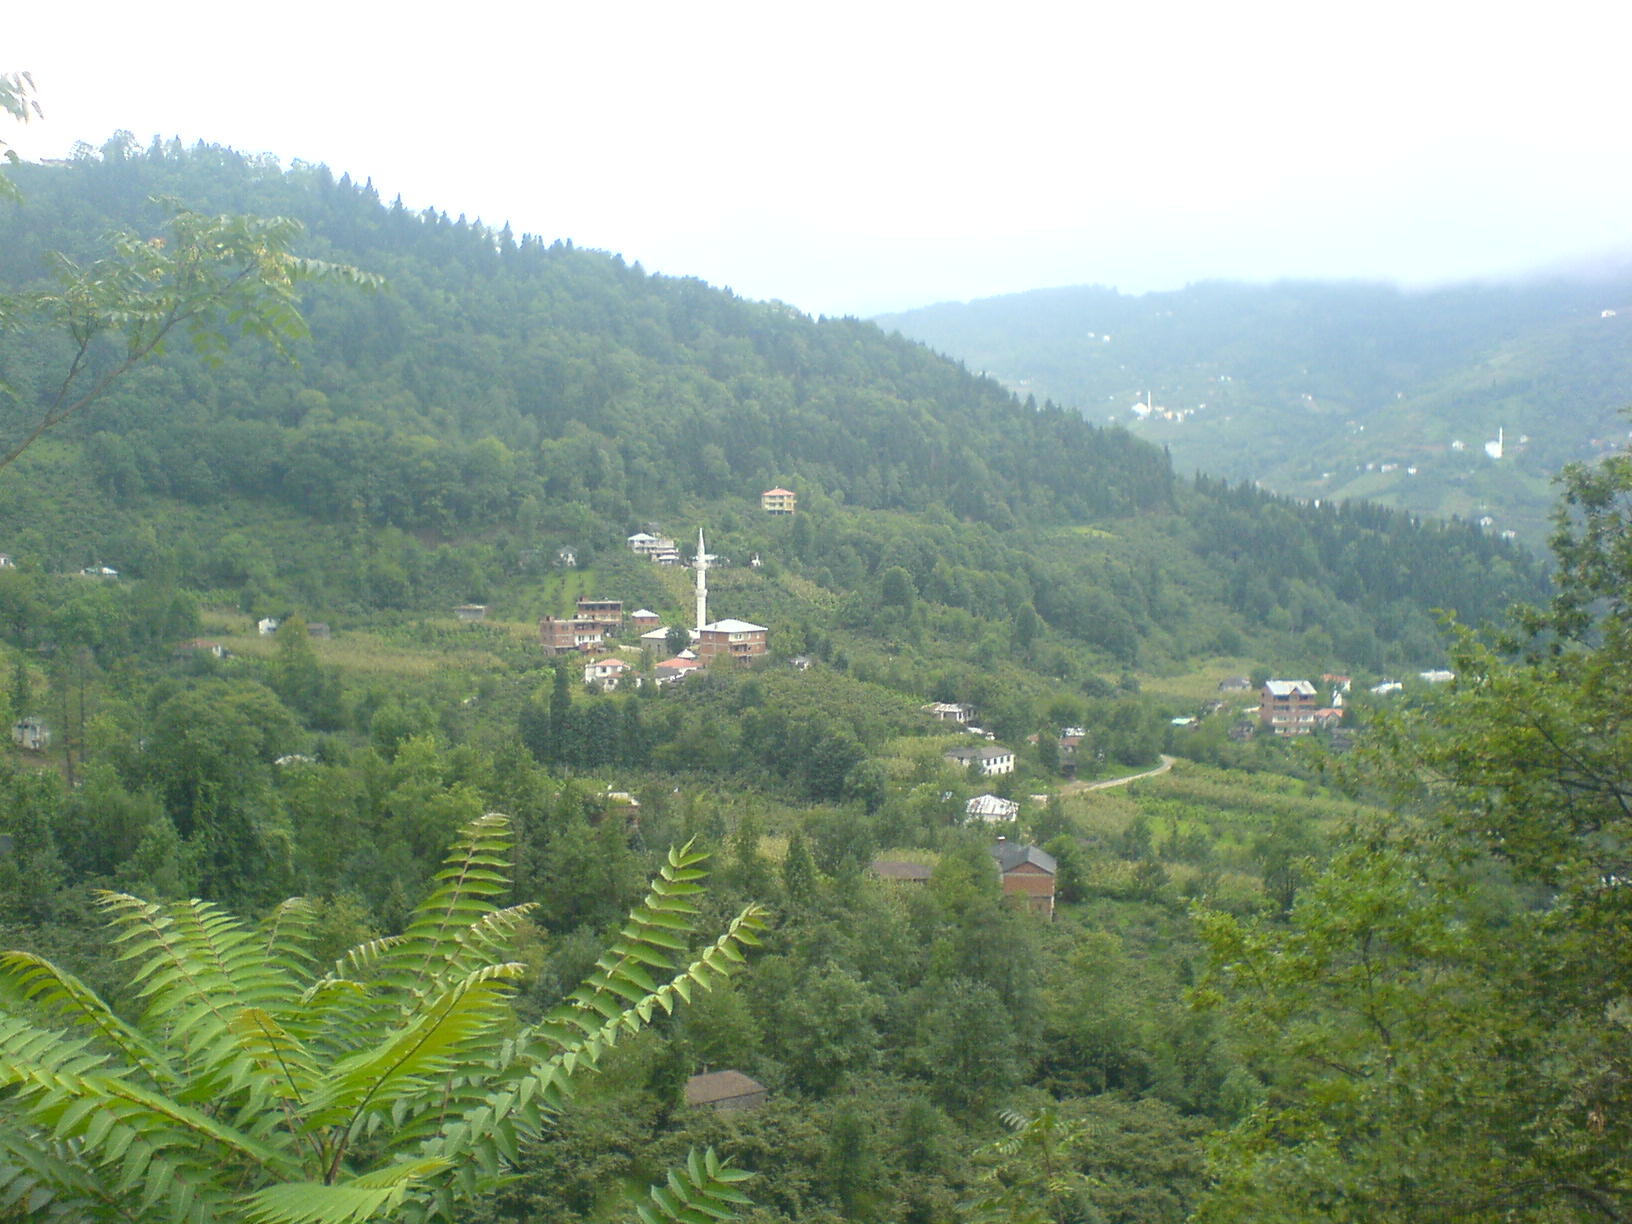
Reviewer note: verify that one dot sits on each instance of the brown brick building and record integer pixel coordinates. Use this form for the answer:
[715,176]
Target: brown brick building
[736,638]
[1027,874]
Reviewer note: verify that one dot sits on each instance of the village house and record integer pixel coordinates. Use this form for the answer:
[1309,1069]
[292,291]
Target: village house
[607,673]
[1287,707]
[778,501]
[725,1090]
[267,625]
[99,571]
[607,613]
[6,562]
[471,612]
[645,620]
[319,629]
[988,760]
[736,638]
[677,668]
[657,639]
[900,872]
[949,711]
[566,636]
[31,734]
[1027,873]
[643,544]
[991,809]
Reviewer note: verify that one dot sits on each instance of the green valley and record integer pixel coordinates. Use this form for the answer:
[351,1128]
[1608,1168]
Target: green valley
[273,629]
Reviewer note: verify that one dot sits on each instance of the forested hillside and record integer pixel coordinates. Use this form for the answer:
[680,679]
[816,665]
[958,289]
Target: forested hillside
[521,397]
[272,630]
[1330,391]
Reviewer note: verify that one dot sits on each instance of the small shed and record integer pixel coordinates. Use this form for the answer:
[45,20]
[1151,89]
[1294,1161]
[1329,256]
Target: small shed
[471,612]
[31,734]
[725,1090]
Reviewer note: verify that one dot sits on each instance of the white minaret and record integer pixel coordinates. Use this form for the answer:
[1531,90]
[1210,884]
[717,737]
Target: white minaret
[702,583]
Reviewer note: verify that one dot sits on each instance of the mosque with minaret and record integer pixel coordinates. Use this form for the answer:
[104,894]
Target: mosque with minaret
[737,638]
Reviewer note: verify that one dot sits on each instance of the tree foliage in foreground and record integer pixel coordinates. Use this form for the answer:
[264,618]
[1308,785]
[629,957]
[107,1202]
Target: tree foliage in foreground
[1445,1021]
[205,277]
[254,1088]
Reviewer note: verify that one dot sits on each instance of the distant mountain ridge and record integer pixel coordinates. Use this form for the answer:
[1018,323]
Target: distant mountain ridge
[505,398]
[1330,390]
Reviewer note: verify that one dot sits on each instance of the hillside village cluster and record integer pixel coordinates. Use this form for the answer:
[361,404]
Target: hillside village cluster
[1027,873]
[1285,707]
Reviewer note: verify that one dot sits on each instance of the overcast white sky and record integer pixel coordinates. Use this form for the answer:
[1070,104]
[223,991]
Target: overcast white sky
[853,158]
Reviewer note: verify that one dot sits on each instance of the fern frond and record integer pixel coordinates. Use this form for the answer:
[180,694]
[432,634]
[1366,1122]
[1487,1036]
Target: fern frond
[536,1084]
[286,933]
[180,981]
[474,876]
[704,1189]
[58,992]
[616,998]
[280,1055]
[64,1092]
[655,937]
[362,1198]
[488,937]
[445,1027]
[44,1180]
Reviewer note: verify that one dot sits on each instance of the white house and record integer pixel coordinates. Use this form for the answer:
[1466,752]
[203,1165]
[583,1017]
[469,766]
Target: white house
[644,544]
[608,673]
[988,760]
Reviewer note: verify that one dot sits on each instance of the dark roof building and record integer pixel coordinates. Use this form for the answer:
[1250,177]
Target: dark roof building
[1028,874]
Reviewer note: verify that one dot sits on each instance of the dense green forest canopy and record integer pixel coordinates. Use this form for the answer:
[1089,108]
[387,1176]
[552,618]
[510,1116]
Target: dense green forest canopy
[931,1051]
[519,396]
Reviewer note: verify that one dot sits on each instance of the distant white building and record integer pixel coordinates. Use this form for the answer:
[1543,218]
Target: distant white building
[989,760]
[990,809]
[643,544]
[608,673]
